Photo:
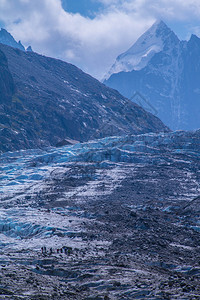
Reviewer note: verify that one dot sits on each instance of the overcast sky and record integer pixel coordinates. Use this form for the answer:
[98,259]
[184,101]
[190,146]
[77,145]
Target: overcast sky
[92,33]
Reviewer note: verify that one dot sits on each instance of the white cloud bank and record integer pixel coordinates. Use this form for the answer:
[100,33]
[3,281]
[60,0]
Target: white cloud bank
[91,44]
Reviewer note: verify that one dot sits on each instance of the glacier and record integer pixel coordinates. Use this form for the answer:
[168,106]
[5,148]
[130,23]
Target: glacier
[25,173]
[91,219]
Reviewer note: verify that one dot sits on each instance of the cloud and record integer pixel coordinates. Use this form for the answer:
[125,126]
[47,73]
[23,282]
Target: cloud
[92,44]
[175,9]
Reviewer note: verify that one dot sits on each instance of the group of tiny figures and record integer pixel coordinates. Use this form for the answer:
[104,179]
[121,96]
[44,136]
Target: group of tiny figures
[66,250]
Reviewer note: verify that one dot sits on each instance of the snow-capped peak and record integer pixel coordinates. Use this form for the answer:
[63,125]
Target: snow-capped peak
[137,57]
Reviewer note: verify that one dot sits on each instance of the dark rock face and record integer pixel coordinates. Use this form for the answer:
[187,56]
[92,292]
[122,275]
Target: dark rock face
[55,100]
[66,142]
[6,81]
[170,82]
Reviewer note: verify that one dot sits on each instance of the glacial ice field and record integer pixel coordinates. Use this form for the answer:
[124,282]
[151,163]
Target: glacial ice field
[25,174]
[122,204]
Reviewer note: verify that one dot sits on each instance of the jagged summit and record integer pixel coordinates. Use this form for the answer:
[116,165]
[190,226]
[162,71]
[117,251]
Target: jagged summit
[29,48]
[154,40]
[166,72]
[194,39]
[7,39]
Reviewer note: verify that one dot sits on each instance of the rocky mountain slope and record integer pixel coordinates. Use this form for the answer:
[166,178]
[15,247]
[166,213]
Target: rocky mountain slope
[119,217]
[44,100]
[166,72]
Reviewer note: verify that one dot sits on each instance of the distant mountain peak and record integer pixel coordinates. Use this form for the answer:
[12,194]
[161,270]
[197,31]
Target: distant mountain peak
[4,31]
[166,72]
[160,23]
[29,48]
[194,38]
[7,39]
[154,40]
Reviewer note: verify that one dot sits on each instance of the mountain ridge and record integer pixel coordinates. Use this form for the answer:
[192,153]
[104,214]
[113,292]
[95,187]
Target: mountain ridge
[7,39]
[52,101]
[154,40]
[169,81]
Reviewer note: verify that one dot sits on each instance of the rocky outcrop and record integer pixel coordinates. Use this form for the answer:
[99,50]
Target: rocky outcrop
[7,39]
